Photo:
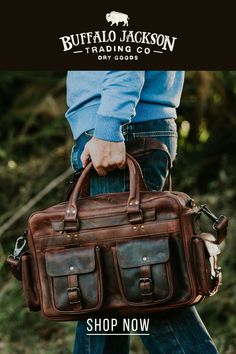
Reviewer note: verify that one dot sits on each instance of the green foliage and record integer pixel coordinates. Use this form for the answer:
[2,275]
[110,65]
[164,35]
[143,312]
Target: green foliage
[25,332]
[35,144]
[206,151]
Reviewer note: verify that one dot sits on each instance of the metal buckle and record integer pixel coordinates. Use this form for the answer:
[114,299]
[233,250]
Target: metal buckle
[18,249]
[146,281]
[73,289]
[211,216]
[208,212]
[140,212]
[75,225]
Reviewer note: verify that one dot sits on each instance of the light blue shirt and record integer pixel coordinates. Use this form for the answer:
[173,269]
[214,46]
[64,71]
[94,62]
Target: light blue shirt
[105,100]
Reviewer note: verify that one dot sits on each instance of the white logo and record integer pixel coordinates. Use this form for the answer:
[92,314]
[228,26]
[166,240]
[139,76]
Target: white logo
[116,43]
[116,17]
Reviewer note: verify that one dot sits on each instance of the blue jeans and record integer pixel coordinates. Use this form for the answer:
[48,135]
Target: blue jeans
[171,332]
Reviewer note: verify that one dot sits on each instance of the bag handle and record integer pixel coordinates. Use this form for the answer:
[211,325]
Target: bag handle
[137,183]
[84,191]
[136,148]
[71,222]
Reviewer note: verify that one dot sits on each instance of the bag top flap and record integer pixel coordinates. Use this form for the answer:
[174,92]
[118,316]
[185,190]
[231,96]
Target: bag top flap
[143,252]
[70,261]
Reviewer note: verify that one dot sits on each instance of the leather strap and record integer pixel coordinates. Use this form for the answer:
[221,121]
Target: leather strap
[221,228]
[145,283]
[14,265]
[73,291]
[220,224]
[142,146]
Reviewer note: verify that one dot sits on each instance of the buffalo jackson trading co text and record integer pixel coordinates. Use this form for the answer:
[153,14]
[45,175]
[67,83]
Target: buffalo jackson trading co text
[125,45]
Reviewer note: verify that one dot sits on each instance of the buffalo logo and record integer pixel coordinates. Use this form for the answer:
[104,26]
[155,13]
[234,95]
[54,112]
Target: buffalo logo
[116,17]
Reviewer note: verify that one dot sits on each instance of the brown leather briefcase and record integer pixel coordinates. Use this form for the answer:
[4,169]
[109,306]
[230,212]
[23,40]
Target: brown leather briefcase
[118,254]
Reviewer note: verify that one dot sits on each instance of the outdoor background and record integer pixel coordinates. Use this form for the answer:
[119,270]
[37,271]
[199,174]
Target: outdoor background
[35,144]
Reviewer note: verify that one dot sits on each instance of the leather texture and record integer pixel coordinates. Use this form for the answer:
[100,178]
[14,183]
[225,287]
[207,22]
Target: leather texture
[128,253]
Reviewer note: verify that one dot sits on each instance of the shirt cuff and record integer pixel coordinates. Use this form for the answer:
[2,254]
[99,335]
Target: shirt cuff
[108,128]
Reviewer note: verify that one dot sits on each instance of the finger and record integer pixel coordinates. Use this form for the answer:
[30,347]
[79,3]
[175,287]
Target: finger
[85,157]
[101,171]
[122,165]
[111,168]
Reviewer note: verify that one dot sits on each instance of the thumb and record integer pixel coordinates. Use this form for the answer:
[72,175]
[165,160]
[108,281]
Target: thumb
[85,156]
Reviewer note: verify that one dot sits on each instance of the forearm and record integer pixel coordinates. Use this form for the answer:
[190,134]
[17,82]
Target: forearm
[119,97]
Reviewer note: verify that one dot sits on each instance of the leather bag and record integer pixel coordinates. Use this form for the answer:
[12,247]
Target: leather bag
[130,253]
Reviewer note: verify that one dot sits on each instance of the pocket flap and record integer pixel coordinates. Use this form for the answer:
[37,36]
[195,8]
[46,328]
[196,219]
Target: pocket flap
[70,261]
[143,252]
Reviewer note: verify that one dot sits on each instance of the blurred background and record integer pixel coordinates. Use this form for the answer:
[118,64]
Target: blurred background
[35,144]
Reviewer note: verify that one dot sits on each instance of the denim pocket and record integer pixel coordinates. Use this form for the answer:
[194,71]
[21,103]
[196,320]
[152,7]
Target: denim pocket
[155,166]
[77,150]
[169,138]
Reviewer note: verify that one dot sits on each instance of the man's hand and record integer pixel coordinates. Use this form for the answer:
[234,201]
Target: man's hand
[105,155]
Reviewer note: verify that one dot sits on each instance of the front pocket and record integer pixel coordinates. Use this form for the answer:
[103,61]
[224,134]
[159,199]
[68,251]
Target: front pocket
[208,274]
[144,271]
[75,278]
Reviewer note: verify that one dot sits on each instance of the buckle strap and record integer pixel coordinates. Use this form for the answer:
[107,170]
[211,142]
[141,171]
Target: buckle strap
[135,217]
[14,260]
[73,291]
[145,286]
[145,283]
[74,295]
[220,224]
[14,264]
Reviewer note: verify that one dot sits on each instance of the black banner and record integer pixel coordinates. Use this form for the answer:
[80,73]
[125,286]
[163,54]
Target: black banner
[71,35]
